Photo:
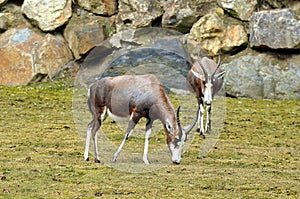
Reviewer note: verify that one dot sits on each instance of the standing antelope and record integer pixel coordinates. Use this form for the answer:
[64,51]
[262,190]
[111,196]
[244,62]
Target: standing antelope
[205,79]
[132,97]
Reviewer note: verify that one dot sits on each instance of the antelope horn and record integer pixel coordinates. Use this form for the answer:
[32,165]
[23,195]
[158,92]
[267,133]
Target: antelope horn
[178,121]
[194,122]
[219,63]
[203,68]
[177,117]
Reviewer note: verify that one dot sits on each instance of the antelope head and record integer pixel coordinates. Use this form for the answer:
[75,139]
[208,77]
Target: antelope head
[177,141]
[209,79]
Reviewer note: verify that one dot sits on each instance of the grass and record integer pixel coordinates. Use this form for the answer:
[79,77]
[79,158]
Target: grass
[257,154]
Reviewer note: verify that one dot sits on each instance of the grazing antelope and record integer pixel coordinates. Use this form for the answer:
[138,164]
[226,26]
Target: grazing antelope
[205,79]
[132,97]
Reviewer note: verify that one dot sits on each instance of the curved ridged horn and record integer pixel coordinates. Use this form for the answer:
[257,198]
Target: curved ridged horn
[203,68]
[178,121]
[177,117]
[219,63]
[194,122]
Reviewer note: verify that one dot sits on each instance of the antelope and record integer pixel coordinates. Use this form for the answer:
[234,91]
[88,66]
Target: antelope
[131,97]
[205,79]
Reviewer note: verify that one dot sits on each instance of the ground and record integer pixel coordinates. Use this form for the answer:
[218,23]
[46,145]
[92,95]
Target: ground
[256,156]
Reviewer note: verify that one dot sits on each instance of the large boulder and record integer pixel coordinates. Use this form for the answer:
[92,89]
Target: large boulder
[241,9]
[263,75]
[182,14]
[27,55]
[138,51]
[215,31]
[102,7]
[11,17]
[84,32]
[137,13]
[4,22]
[48,15]
[276,29]
[3,2]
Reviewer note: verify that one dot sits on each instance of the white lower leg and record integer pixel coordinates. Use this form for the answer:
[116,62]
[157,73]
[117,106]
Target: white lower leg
[145,156]
[201,118]
[87,144]
[96,147]
[120,147]
[207,118]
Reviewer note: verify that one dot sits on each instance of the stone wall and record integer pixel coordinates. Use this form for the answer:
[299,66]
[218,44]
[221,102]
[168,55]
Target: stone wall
[259,40]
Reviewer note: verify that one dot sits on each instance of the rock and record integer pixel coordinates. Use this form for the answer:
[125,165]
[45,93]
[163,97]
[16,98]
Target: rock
[215,32]
[13,16]
[271,4]
[263,75]
[138,51]
[295,6]
[81,39]
[3,22]
[102,7]
[276,29]
[3,2]
[137,13]
[241,9]
[27,55]
[48,16]
[52,54]
[182,14]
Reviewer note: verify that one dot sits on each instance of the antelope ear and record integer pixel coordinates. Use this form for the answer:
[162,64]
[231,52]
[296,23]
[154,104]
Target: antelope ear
[220,75]
[198,75]
[169,126]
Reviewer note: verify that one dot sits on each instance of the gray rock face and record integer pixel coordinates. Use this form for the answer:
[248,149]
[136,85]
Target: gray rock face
[254,75]
[48,15]
[140,51]
[276,29]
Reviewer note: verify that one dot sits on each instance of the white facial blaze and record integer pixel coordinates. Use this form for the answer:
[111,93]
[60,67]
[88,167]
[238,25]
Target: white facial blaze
[208,93]
[175,152]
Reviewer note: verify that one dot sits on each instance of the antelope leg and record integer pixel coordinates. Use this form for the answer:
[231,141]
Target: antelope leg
[148,132]
[129,130]
[200,119]
[87,143]
[208,122]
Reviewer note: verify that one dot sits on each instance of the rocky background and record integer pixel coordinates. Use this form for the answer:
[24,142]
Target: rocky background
[259,39]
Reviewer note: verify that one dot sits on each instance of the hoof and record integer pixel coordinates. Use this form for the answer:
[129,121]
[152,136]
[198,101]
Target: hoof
[87,159]
[146,162]
[198,130]
[202,135]
[114,160]
[97,161]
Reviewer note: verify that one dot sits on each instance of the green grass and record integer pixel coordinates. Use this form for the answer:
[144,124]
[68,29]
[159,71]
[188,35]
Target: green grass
[257,154]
